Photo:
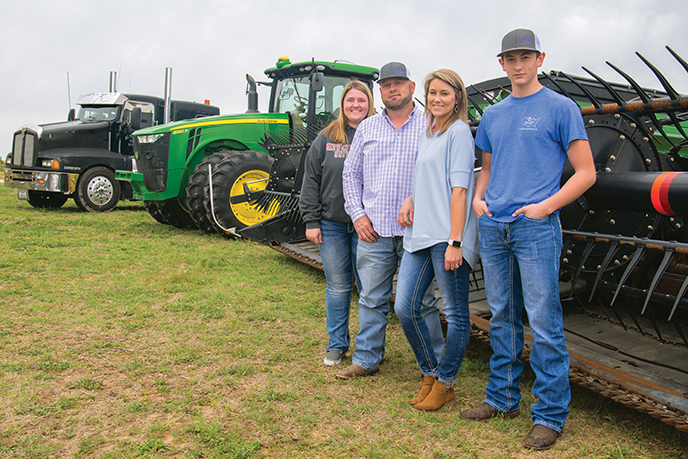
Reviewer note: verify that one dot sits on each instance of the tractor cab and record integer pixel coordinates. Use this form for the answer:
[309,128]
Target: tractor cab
[310,92]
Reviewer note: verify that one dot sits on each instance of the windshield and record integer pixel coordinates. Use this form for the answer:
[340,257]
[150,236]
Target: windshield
[92,113]
[292,97]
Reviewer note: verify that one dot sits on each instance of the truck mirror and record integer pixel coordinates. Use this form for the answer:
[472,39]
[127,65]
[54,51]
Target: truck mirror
[317,81]
[135,120]
[71,116]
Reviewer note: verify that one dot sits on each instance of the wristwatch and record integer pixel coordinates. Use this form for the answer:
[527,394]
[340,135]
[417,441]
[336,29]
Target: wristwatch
[454,243]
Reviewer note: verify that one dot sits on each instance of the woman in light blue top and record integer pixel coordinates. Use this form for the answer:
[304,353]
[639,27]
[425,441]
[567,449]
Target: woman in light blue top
[441,238]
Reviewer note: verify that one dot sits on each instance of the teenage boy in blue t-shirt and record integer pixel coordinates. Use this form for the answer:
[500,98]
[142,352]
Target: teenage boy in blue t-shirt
[526,139]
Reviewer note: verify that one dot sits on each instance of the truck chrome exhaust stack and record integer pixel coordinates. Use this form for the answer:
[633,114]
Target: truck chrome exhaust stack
[113,81]
[168,93]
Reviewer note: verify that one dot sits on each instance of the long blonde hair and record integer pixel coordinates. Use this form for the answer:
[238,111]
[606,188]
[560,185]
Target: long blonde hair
[336,130]
[460,111]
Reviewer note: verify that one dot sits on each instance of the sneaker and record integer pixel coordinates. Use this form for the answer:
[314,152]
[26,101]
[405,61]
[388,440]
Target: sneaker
[334,357]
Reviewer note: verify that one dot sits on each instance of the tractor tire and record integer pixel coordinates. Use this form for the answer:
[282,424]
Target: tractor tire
[196,191]
[98,190]
[176,213]
[46,199]
[172,212]
[229,177]
[154,211]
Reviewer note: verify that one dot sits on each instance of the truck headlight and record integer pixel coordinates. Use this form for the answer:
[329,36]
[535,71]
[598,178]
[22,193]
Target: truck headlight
[51,163]
[152,138]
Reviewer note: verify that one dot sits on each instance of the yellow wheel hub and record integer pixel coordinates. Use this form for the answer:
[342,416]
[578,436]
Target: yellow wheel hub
[246,212]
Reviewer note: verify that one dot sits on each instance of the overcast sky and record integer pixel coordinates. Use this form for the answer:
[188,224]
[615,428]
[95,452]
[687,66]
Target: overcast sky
[212,44]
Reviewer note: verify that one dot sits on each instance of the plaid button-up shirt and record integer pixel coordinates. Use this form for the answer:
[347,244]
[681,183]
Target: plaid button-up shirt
[378,172]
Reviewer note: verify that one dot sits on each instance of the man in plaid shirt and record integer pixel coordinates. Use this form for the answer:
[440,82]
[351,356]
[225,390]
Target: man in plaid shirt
[377,177]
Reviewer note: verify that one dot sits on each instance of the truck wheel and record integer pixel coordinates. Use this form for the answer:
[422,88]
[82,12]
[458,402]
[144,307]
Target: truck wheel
[195,192]
[176,213]
[229,177]
[46,199]
[98,190]
[77,201]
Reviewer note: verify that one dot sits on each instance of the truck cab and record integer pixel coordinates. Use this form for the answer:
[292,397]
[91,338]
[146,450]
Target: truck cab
[50,163]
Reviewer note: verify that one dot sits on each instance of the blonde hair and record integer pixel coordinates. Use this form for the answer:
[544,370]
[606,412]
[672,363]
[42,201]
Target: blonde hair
[336,130]
[460,111]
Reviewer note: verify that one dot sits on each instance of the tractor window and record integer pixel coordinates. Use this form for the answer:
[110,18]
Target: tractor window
[328,100]
[292,97]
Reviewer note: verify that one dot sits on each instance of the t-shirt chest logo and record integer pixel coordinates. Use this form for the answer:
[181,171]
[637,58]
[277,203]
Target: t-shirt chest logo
[338,150]
[528,123]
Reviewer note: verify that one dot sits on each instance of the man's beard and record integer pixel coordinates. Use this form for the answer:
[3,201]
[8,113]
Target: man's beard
[399,104]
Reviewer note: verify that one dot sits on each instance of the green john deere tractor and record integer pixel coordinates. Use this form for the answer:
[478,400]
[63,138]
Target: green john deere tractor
[201,173]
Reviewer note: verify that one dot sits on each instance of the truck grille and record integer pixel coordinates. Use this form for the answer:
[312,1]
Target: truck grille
[151,160]
[24,148]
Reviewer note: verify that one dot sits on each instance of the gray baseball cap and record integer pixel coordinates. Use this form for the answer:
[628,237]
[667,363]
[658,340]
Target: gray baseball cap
[394,70]
[520,39]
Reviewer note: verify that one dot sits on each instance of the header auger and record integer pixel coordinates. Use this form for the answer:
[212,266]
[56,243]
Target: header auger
[639,206]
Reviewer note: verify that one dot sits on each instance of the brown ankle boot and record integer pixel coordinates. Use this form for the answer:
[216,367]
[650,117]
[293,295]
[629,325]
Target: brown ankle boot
[428,381]
[437,398]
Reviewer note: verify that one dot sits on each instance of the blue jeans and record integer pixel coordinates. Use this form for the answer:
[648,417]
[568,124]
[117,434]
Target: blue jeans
[415,275]
[338,254]
[521,269]
[377,262]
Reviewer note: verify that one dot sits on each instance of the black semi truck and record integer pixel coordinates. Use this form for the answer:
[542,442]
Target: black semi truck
[50,163]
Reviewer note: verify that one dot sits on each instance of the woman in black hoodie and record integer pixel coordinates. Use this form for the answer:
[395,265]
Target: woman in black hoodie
[322,208]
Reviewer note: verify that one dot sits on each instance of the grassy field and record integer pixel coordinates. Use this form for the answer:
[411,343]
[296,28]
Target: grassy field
[124,338]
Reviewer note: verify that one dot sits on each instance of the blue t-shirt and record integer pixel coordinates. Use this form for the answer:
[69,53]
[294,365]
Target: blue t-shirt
[528,138]
[443,162]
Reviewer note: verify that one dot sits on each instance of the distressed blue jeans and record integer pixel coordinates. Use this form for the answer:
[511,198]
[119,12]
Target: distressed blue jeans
[338,254]
[521,269]
[377,263]
[415,275]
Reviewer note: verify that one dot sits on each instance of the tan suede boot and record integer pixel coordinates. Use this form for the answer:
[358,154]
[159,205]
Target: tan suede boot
[437,398]
[428,381]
